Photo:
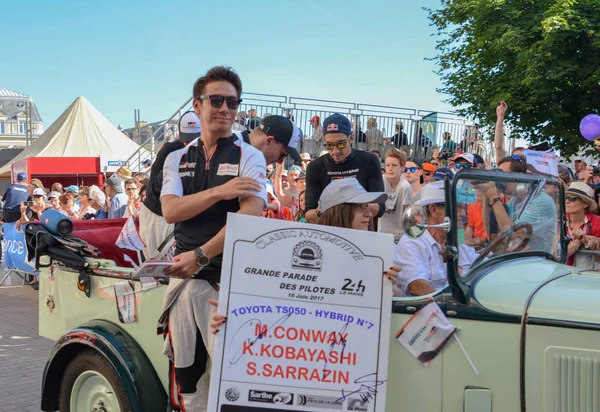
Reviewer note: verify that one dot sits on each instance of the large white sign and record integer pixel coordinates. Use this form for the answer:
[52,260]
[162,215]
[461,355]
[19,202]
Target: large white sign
[543,162]
[308,318]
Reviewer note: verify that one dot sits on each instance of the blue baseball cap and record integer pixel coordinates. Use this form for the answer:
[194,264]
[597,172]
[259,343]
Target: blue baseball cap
[21,177]
[337,123]
[441,173]
[72,188]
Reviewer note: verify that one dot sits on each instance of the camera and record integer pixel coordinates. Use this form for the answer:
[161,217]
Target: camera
[596,170]
[445,154]
[28,203]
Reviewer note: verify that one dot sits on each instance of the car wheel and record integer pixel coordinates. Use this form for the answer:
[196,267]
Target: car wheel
[90,383]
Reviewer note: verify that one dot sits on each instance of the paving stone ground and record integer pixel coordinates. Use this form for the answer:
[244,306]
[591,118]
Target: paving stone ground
[23,353]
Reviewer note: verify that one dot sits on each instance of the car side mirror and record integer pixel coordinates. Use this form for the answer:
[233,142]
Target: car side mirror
[415,223]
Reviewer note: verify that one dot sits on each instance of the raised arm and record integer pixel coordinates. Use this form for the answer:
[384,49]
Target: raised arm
[499,132]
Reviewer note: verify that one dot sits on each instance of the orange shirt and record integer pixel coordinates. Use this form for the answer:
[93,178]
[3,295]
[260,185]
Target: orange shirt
[475,220]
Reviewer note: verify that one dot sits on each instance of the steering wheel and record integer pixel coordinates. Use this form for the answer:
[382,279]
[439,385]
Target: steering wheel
[522,231]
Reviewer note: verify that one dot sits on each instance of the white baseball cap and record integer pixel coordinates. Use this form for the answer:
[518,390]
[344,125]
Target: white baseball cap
[189,126]
[466,156]
[432,193]
[347,191]
[39,192]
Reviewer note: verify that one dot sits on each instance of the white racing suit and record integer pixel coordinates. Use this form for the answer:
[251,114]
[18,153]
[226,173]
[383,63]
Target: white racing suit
[189,343]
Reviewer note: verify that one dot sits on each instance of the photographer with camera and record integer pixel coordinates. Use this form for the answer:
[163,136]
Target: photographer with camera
[33,209]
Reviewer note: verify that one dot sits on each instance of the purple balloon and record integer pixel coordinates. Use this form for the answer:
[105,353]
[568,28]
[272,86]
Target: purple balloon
[590,126]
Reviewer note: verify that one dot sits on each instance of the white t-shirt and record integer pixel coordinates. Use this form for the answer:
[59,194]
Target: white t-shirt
[391,221]
[420,258]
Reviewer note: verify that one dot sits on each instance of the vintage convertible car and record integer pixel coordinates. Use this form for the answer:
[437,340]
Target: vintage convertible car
[529,323]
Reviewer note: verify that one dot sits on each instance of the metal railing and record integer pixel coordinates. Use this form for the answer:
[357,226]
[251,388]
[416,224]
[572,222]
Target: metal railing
[369,118]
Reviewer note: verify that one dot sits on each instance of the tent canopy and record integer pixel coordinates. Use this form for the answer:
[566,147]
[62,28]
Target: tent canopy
[81,131]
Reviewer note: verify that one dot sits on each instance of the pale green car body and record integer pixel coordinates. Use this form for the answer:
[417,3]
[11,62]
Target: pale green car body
[561,359]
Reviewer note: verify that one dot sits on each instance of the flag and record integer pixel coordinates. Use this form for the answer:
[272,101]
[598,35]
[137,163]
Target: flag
[125,298]
[129,238]
[426,333]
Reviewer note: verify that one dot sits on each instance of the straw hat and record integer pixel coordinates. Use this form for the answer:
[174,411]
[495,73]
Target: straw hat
[585,192]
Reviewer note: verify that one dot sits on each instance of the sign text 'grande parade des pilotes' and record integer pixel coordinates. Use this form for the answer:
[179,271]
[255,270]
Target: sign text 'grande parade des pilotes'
[308,318]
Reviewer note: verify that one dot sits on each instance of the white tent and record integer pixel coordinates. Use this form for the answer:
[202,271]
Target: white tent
[81,131]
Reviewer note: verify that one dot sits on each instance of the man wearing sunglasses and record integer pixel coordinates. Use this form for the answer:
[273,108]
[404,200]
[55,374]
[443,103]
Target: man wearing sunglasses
[465,161]
[341,162]
[413,173]
[216,174]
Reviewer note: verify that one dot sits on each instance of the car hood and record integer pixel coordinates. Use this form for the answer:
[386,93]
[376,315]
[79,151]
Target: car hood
[575,297]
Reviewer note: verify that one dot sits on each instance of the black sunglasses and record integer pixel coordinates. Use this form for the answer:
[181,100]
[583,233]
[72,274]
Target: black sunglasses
[217,101]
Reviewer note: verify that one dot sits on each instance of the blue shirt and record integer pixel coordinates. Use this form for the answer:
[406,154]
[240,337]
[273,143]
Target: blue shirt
[101,214]
[118,206]
[15,194]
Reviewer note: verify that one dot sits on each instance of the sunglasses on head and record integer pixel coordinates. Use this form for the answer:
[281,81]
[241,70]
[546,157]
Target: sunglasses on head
[411,169]
[572,198]
[463,165]
[217,101]
[339,145]
[37,196]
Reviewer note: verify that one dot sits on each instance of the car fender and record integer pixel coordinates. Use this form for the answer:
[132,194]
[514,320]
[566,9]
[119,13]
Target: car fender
[137,375]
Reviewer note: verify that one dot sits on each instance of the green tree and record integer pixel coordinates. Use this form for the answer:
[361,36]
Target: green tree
[540,56]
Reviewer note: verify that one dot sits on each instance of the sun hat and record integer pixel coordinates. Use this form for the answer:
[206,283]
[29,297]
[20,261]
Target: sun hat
[584,192]
[347,191]
[432,193]
[305,156]
[53,195]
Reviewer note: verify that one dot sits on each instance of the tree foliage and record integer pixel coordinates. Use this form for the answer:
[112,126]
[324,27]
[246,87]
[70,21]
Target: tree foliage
[540,56]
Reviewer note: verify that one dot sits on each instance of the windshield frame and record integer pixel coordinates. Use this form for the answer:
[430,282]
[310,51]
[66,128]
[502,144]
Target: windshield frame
[504,177]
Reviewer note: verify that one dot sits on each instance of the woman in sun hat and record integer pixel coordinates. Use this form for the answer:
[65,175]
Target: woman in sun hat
[583,227]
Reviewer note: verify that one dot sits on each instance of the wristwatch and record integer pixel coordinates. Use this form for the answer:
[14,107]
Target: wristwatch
[202,258]
[494,200]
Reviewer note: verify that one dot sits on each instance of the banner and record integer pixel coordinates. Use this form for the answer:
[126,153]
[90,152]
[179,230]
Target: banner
[426,333]
[15,249]
[309,314]
[542,162]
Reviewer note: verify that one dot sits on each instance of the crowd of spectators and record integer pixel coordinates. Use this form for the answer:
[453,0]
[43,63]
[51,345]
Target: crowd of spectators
[120,196]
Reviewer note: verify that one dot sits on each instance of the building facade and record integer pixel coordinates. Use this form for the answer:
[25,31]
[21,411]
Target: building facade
[20,121]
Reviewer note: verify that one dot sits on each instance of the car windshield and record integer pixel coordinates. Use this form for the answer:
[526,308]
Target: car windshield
[495,217]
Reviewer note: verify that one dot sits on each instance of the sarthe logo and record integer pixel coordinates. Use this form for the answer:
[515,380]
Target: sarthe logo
[307,255]
[280,398]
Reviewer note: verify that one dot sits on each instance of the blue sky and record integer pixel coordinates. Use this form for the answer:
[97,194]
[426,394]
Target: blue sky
[133,54]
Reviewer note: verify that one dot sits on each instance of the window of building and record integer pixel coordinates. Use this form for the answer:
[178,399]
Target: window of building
[1,126]
[22,127]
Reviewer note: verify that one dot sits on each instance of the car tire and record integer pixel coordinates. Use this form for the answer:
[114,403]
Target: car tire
[89,382]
